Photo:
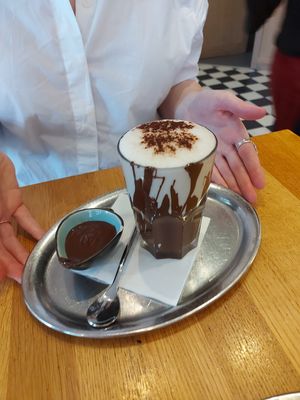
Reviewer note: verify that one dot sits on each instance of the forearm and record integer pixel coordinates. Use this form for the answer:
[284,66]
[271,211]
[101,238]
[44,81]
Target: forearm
[178,92]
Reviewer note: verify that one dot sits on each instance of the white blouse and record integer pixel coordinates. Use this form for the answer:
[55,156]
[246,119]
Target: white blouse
[70,86]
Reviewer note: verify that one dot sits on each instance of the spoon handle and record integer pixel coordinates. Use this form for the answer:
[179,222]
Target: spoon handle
[119,271]
[105,309]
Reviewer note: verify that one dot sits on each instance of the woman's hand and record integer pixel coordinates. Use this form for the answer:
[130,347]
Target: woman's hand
[221,112]
[12,254]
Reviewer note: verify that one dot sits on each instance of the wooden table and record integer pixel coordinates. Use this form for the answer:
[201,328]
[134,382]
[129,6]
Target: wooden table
[244,346]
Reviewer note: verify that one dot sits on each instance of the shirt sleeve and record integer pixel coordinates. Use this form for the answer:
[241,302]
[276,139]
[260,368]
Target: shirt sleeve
[189,70]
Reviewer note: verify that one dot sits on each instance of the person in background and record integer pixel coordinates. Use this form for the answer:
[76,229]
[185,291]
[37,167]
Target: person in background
[285,75]
[74,76]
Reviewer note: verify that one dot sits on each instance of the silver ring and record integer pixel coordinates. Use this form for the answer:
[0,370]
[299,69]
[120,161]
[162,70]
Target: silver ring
[244,141]
[5,221]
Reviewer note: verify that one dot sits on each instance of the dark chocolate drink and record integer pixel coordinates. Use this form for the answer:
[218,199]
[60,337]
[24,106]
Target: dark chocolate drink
[167,166]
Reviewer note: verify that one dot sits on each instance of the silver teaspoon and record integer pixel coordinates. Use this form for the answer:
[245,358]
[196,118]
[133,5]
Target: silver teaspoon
[105,309]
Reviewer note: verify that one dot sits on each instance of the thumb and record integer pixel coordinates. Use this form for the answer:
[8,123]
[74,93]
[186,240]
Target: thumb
[240,108]
[27,222]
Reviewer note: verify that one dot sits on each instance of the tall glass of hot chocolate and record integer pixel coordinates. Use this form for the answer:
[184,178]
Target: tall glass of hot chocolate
[167,166]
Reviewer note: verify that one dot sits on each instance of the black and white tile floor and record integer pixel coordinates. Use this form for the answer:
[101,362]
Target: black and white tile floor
[248,84]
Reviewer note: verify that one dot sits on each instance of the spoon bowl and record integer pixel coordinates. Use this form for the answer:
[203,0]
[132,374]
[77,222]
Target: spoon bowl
[94,242]
[104,311]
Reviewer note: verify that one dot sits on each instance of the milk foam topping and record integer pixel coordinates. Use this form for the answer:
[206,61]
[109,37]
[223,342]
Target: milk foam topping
[167,144]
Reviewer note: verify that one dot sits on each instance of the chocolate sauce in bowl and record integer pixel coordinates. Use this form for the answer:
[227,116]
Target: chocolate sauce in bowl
[87,239]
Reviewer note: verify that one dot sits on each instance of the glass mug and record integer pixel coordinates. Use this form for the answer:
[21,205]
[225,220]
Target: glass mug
[167,166]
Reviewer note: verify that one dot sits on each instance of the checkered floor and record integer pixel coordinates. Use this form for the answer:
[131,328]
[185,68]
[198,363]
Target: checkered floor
[248,84]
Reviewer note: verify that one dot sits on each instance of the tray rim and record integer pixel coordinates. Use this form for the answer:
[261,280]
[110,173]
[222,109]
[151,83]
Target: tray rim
[107,333]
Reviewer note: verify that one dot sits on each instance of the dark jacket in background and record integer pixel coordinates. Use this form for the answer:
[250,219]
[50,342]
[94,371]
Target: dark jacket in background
[288,41]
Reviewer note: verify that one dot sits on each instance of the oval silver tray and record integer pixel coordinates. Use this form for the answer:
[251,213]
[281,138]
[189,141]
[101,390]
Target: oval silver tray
[59,298]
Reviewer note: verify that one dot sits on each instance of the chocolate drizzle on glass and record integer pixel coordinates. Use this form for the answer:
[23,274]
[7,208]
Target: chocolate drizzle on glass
[170,229]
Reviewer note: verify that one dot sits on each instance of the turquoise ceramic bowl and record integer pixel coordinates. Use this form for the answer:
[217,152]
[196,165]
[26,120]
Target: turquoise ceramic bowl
[79,217]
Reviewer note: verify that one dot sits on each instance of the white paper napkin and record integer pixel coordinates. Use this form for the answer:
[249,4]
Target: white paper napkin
[161,280]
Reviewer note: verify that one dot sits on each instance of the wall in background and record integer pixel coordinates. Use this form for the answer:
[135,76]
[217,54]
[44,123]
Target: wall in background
[224,32]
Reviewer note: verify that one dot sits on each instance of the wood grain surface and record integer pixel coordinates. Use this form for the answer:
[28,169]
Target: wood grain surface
[244,346]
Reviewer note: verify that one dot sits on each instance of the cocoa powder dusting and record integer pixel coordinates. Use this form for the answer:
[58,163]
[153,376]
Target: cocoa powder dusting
[167,136]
